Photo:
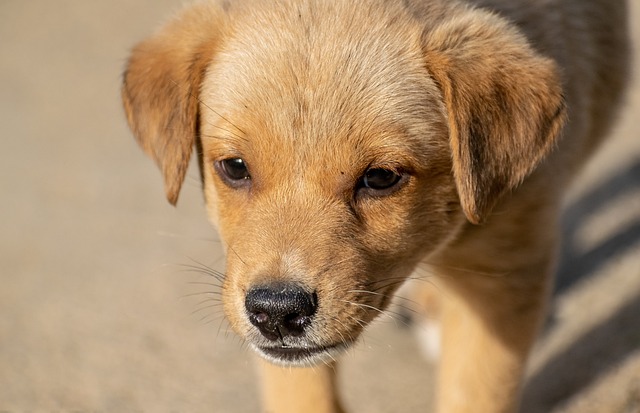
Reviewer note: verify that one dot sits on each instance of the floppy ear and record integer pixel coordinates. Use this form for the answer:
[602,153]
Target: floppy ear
[503,100]
[161,88]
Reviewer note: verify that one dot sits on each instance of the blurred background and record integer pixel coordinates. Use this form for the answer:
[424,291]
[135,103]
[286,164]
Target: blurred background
[97,271]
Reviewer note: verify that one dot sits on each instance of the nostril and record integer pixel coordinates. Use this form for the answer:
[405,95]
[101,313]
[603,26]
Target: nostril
[295,324]
[264,323]
[259,319]
[297,319]
[308,303]
[280,309]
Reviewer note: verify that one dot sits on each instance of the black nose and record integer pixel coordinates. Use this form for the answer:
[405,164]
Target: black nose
[280,309]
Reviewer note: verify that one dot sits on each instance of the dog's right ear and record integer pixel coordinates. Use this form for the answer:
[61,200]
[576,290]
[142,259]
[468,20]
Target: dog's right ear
[161,87]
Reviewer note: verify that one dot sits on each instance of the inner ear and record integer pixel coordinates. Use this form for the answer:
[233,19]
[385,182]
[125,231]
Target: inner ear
[503,100]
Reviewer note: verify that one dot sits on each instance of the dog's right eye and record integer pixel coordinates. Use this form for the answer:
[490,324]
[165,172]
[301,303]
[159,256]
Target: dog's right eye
[233,171]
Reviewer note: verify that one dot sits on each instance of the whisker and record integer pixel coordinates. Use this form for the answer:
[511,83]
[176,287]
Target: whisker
[236,254]
[399,280]
[392,315]
[182,236]
[204,270]
[215,277]
[207,106]
[216,293]
[201,265]
[198,310]
[342,337]
[220,317]
[209,300]
[364,306]
[395,299]
[360,322]
[234,134]
[332,266]
[223,320]
[202,283]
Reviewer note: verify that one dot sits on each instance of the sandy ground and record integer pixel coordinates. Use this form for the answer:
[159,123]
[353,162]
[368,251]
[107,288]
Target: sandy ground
[94,264]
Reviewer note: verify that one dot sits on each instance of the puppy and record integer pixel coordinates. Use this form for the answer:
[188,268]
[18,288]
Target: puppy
[343,143]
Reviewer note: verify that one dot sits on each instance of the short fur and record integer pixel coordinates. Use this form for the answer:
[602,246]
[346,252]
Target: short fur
[466,101]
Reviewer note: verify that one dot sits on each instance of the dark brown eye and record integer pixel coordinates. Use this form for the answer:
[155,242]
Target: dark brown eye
[380,179]
[233,171]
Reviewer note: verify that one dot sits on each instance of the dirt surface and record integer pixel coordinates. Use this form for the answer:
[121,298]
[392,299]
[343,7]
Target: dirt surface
[96,266]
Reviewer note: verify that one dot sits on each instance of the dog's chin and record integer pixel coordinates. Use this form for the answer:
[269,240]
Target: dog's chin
[300,356]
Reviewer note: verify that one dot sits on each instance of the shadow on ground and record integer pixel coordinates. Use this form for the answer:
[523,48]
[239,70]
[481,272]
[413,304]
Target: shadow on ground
[609,343]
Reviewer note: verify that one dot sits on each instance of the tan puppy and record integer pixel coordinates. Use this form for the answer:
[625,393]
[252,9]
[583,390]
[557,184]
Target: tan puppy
[342,143]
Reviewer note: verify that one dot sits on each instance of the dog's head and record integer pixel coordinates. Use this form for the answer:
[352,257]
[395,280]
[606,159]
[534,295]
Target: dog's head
[339,145]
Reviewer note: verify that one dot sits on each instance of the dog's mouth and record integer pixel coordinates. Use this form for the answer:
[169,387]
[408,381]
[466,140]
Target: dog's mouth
[300,356]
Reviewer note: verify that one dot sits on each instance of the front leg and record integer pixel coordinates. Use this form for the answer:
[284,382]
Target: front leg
[489,323]
[297,390]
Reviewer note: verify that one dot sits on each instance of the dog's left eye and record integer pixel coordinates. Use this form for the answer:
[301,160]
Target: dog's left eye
[380,180]
[233,171]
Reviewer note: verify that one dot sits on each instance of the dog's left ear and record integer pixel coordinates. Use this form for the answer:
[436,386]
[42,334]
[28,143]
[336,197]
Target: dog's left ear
[503,100]
[161,88]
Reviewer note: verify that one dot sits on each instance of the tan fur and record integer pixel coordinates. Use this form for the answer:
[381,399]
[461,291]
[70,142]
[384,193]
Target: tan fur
[467,102]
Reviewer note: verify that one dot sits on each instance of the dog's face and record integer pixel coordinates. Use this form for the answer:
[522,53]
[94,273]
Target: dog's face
[338,148]
[316,165]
